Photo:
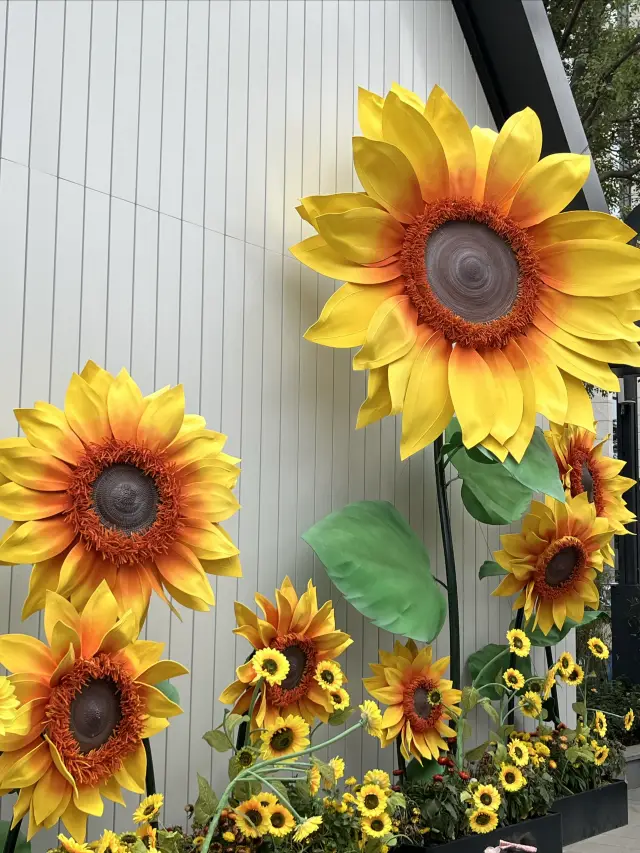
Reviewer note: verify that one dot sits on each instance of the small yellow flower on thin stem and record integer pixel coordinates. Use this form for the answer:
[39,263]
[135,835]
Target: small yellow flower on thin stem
[519,643]
[285,737]
[629,719]
[549,682]
[372,800]
[514,679]
[339,699]
[271,665]
[377,826]
[281,821]
[328,675]
[375,777]
[266,799]
[337,765]
[313,780]
[109,841]
[351,781]
[304,830]
[483,820]
[487,797]
[601,754]
[531,704]
[575,676]
[519,753]
[148,809]
[565,663]
[600,724]
[512,778]
[72,846]
[372,718]
[598,648]
[252,818]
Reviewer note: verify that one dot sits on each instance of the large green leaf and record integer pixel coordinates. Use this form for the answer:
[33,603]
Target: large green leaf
[538,468]
[489,663]
[206,804]
[490,569]
[555,635]
[381,567]
[169,690]
[22,845]
[424,772]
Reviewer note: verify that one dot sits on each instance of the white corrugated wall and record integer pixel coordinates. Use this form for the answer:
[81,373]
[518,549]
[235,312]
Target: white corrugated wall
[152,156]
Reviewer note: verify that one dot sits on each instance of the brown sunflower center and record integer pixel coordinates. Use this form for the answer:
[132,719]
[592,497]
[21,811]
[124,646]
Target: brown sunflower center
[301,653]
[584,477]
[282,740]
[559,565]
[471,273]
[372,801]
[483,819]
[125,502]
[486,799]
[377,825]
[95,717]
[277,820]
[149,810]
[509,777]
[254,816]
[422,704]
[327,676]
[94,714]
[271,666]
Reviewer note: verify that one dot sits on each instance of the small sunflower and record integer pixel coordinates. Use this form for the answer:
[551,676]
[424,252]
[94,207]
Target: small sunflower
[598,648]
[229,837]
[246,757]
[285,737]
[542,749]
[304,830]
[375,777]
[329,675]
[514,679]
[351,780]
[252,818]
[271,665]
[281,821]
[198,841]
[600,724]
[629,719]
[531,704]
[337,765]
[601,754]
[109,841]
[372,800]
[565,663]
[339,699]
[487,797]
[519,753]
[372,718]
[148,834]
[549,682]
[148,809]
[575,676]
[519,643]
[483,820]
[376,827]
[511,778]
[71,846]
[313,780]
[266,799]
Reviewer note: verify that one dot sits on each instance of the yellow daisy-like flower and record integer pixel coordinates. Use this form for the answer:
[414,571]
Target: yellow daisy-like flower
[519,753]
[281,821]
[339,699]
[629,719]
[351,780]
[519,643]
[549,682]
[542,749]
[329,675]
[531,704]
[271,665]
[600,724]
[584,468]
[468,289]
[305,635]
[71,846]
[198,841]
[337,765]
[377,826]
[285,737]
[483,820]
[575,676]
[109,841]
[487,797]
[307,828]
[314,779]
[148,834]
[90,701]
[376,777]
[229,837]
[9,705]
[514,679]
[148,809]
[420,700]
[598,649]
[371,717]
[553,561]
[601,754]
[511,778]
[266,798]
[252,818]
[372,800]
[565,663]
[121,487]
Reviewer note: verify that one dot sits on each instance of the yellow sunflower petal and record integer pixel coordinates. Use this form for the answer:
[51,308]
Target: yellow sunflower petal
[98,616]
[378,402]
[365,235]
[21,504]
[590,267]
[412,134]
[483,141]
[580,225]
[347,313]
[75,822]
[47,429]
[160,671]
[181,568]
[33,468]
[549,187]
[391,334]
[550,390]
[572,362]
[319,205]
[515,152]
[579,406]
[86,411]
[125,405]
[508,395]
[228,567]
[58,609]
[519,442]
[370,113]
[28,769]
[592,317]
[453,131]
[316,254]
[38,540]
[472,393]
[162,419]
[388,177]
[98,378]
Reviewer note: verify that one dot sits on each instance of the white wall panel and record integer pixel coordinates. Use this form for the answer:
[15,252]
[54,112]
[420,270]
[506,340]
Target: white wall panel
[152,156]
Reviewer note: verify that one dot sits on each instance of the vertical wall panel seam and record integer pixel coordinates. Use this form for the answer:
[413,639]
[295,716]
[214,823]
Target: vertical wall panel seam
[164,59]
[135,191]
[4,69]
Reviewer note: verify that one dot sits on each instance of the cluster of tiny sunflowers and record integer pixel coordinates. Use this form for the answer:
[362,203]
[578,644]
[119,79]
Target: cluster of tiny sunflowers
[371,801]
[111,842]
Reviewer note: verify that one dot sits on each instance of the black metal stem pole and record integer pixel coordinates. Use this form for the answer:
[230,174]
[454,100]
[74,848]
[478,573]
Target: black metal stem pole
[449,563]
[12,838]
[513,657]
[150,778]
[554,690]
[402,764]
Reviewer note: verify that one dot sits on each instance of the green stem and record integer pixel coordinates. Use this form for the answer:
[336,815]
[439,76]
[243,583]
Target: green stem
[501,654]
[278,794]
[254,698]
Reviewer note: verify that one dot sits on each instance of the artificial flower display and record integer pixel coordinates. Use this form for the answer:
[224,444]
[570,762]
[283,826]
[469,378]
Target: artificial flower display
[121,487]
[583,468]
[553,561]
[420,700]
[483,820]
[90,699]
[597,648]
[285,737]
[306,637]
[468,289]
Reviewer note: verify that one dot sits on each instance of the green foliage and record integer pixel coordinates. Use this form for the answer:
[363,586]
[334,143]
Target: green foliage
[487,665]
[218,740]
[555,635]
[169,842]
[22,845]
[599,42]
[381,567]
[617,697]
[424,772]
[206,804]
[490,569]
[169,690]
[340,717]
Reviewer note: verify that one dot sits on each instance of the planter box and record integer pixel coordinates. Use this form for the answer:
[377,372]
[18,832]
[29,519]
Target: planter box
[592,812]
[546,833]
[632,756]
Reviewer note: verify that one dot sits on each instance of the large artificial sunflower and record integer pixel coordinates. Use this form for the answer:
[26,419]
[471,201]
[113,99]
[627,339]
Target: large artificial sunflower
[121,487]
[420,701]
[553,561]
[467,288]
[306,636]
[584,469]
[90,699]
